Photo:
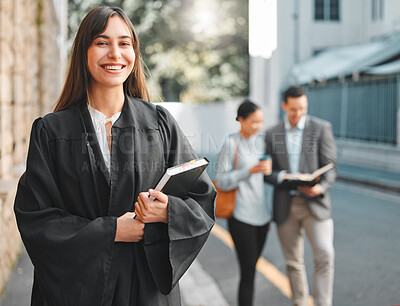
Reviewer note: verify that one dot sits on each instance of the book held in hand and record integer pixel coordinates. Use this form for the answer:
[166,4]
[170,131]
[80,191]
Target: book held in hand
[178,180]
[309,179]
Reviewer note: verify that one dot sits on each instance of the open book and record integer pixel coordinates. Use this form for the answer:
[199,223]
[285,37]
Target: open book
[178,180]
[308,178]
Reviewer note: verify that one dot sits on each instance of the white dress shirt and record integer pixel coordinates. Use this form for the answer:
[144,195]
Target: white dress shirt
[294,141]
[99,121]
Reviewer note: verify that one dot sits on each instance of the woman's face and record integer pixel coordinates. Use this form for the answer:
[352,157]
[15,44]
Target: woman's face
[111,57]
[252,124]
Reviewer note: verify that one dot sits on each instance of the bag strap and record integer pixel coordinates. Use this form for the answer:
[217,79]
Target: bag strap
[236,155]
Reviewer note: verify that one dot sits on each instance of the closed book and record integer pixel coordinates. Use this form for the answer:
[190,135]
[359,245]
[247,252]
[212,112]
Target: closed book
[178,180]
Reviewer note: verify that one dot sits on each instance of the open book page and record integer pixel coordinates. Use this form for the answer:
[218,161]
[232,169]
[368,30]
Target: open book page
[308,177]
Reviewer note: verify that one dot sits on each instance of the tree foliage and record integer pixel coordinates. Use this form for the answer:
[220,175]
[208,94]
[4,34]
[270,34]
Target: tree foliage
[195,50]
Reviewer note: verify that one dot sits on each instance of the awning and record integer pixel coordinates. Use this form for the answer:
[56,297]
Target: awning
[342,61]
[389,68]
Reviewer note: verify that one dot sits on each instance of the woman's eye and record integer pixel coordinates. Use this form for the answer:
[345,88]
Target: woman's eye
[101,43]
[125,44]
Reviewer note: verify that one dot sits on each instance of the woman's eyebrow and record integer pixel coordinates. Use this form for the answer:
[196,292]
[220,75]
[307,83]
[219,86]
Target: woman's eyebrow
[108,37]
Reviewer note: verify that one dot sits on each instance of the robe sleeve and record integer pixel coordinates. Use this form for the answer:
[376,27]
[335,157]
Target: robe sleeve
[190,219]
[71,254]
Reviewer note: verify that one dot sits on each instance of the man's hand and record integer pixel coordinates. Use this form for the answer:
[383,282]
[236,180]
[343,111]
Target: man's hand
[129,229]
[148,210]
[311,191]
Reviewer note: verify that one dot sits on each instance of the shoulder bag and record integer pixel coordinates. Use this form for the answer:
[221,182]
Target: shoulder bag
[225,202]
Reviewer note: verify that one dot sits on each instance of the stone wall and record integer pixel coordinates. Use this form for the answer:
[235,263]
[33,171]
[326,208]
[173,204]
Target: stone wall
[10,241]
[30,81]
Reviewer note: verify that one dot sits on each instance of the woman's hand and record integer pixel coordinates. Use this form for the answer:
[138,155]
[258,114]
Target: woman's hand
[149,210]
[129,229]
[264,167]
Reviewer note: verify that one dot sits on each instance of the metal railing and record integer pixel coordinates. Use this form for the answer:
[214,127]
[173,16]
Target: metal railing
[362,110]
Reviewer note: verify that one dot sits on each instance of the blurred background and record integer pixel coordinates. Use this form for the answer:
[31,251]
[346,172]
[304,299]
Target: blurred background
[202,58]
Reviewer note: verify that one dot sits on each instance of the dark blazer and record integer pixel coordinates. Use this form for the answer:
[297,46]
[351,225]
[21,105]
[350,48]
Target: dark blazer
[318,149]
[68,202]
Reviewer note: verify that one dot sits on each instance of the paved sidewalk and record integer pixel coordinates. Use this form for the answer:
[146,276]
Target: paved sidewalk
[18,290]
[197,287]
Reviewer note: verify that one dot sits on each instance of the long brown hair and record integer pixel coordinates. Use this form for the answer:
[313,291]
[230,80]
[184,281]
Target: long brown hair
[77,83]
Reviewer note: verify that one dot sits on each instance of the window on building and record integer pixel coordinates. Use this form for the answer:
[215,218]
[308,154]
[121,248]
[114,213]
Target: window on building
[326,10]
[377,10]
[334,10]
[319,9]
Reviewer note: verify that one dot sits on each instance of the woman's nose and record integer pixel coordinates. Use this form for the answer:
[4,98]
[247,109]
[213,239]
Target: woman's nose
[114,52]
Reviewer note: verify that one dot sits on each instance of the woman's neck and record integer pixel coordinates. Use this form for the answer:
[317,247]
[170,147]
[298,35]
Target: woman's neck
[244,135]
[106,100]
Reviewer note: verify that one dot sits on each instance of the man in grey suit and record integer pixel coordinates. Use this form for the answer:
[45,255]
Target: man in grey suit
[302,144]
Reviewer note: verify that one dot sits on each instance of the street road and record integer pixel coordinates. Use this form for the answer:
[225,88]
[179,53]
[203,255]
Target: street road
[367,245]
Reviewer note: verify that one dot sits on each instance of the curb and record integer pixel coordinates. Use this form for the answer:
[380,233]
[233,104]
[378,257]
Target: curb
[380,185]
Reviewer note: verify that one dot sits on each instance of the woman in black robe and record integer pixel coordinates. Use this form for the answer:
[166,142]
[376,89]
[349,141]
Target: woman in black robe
[92,233]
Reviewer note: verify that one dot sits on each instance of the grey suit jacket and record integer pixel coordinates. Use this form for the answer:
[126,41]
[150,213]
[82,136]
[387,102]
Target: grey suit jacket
[318,149]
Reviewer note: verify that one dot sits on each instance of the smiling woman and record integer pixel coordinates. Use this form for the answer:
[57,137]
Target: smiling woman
[111,57]
[83,205]
[92,34]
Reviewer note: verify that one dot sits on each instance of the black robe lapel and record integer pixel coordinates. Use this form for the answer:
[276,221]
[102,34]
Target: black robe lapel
[123,178]
[136,152]
[122,174]
[87,166]
[94,143]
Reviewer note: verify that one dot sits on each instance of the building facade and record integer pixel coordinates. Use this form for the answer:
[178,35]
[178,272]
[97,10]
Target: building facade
[345,54]
[321,24]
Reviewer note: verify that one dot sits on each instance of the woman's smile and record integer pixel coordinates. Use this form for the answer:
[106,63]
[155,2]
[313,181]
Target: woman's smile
[113,68]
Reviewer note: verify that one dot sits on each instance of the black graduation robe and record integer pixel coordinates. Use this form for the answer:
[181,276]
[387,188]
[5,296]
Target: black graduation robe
[68,202]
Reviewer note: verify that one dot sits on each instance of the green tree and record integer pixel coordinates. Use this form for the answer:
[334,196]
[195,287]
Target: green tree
[196,50]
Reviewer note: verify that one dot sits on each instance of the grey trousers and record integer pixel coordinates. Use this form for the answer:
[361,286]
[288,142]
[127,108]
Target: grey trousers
[320,235]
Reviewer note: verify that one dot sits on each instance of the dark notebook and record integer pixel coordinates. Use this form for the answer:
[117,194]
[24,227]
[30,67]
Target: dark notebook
[178,180]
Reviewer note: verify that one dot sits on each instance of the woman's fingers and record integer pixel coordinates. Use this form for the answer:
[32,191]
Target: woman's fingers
[149,210]
[138,211]
[163,198]
[129,229]
[264,166]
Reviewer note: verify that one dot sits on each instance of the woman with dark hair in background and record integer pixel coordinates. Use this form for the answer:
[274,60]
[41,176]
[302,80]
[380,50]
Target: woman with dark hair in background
[252,214]
[83,207]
